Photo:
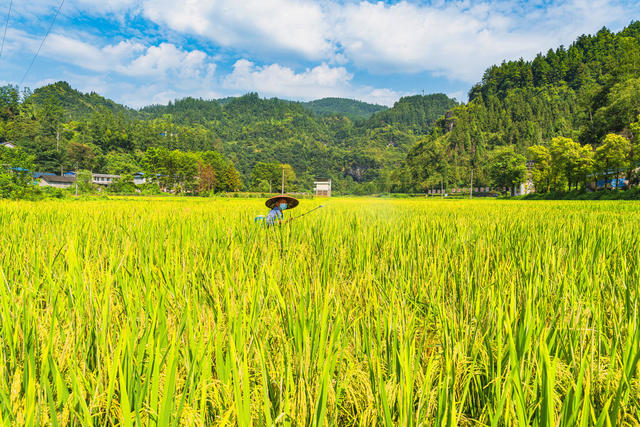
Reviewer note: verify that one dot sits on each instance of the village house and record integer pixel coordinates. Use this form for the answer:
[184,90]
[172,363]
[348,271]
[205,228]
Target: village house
[8,144]
[56,181]
[103,178]
[138,178]
[322,187]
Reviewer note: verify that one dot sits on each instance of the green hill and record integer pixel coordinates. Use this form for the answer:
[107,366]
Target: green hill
[583,92]
[351,108]
[414,113]
[75,103]
[251,129]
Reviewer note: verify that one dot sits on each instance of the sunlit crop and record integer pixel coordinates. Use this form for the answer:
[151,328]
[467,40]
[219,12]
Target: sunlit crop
[183,311]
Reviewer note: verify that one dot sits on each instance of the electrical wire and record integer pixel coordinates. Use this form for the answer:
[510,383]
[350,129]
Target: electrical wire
[41,44]
[6,25]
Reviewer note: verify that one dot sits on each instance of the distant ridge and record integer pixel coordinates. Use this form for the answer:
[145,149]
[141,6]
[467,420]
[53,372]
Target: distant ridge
[343,106]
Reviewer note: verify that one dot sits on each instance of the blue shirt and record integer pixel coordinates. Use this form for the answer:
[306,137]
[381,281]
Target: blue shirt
[274,215]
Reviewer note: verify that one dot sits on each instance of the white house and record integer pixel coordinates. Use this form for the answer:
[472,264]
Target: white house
[104,179]
[8,144]
[322,187]
[138,178]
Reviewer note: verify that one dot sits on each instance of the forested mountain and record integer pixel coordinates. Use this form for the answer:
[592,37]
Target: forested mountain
[355,110]
[248,131]
[414,113]
[572,109]
[76,105]
[583,92]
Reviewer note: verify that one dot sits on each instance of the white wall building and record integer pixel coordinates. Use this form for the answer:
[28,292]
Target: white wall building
[322,187]
[138,178]
[104,179]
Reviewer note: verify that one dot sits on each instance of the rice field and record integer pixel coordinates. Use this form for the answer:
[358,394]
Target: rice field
[367,312]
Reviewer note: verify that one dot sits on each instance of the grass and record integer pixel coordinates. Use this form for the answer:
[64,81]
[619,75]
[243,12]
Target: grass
[181,311]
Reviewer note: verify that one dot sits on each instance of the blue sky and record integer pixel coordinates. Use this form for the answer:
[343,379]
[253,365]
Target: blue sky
[140,52]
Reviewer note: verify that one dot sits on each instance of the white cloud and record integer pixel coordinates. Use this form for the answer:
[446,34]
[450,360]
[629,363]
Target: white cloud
[128,57]
[460,39]
[158,60]
[278,80]
[379,96]
[457,39]
[105,6]
[295,26]
[136,74]
[129,71]
[318,82]
[459,95]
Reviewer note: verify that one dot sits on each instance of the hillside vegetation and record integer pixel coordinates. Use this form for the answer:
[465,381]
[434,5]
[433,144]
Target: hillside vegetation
[247,130]
[343,107]
[584,93]
[573,112]
[76,105]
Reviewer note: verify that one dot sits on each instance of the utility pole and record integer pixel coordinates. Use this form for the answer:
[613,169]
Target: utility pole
[442,187]
[472,162]
[76,178]
[282,190]
[58,147]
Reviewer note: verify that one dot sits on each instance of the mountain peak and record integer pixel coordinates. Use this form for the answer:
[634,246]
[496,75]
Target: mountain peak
[77,104]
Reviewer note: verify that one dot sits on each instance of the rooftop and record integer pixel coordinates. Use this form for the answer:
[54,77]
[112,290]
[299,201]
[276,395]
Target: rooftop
[58,178]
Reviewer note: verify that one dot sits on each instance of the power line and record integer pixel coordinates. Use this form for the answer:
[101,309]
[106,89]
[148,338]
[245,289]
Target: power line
[6,25]
[41,44]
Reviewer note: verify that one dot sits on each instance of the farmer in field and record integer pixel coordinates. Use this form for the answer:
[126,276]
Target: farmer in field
[278,204]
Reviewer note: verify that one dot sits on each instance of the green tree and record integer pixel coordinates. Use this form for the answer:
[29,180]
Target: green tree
[9,102]
[207,179]
[269,172]
[262,187]
[84,181]
[566,162]
[541,170]
[506,167]
[119,162]
[428,165]
[290,179]
[232,180]
[15,173]
[174,170]
[612,156]
[123,185]
[634,152]
[585,164]
[80,156]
